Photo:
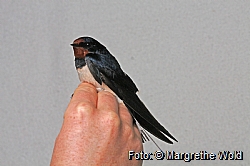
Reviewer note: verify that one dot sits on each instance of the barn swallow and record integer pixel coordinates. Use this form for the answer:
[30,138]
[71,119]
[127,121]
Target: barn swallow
[96,65]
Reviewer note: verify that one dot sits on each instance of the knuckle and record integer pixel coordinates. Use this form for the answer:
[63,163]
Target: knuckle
[111,119]
[84,109]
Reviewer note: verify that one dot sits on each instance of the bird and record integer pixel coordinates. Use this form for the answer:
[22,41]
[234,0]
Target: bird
[96,65]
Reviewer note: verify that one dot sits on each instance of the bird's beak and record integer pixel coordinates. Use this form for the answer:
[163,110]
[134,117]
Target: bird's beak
[75,45]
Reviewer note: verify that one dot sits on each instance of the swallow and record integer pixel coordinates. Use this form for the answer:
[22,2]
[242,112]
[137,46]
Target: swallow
[96,65]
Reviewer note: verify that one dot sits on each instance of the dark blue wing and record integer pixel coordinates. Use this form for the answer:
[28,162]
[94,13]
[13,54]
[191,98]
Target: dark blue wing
[106,69]
[103,65]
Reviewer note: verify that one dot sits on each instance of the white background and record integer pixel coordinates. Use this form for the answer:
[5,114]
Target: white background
[190,60]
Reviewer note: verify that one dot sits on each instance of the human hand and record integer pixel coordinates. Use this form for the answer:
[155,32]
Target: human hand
[97,130]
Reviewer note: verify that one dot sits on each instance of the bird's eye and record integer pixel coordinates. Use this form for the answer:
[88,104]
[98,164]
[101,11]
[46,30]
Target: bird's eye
[83,44]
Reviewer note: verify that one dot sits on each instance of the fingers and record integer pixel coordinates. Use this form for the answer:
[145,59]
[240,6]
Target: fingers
[86,99]
[107,102]
[82,103]
[85,92]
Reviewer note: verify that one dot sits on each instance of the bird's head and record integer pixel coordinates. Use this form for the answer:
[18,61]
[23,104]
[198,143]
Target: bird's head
[85,45]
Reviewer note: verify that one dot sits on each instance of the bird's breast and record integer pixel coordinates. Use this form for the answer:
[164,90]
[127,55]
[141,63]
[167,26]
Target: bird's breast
[85,76]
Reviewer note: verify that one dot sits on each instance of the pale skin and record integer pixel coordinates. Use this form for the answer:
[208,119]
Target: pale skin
[97,130]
